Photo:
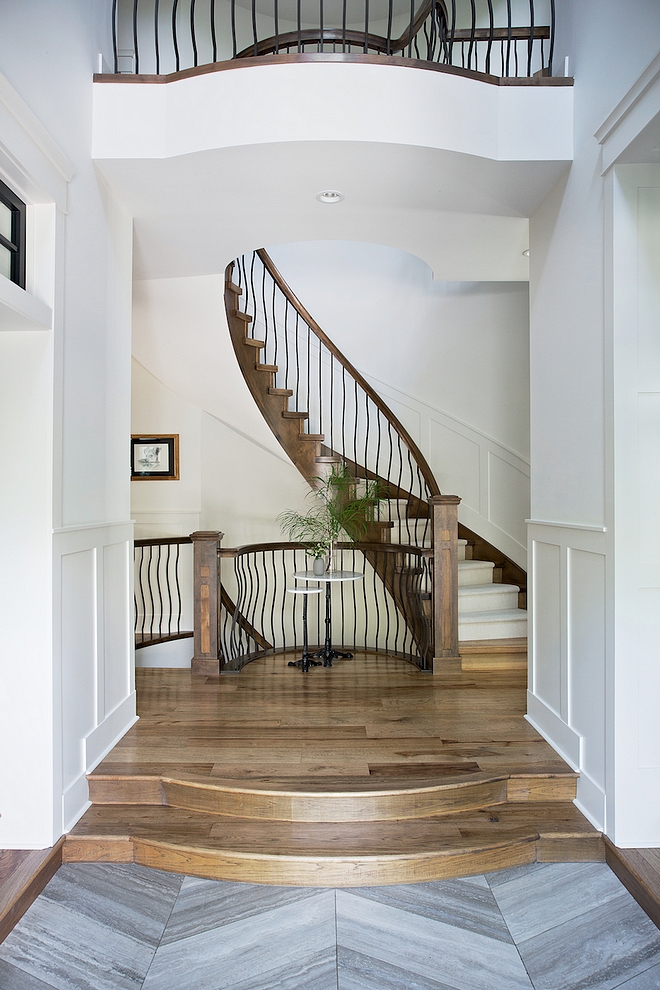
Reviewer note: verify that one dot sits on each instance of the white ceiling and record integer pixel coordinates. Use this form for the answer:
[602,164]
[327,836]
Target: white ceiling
[465,216]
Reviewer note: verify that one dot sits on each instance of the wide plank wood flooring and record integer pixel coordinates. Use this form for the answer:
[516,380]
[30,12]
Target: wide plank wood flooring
[367,772]
[369,716]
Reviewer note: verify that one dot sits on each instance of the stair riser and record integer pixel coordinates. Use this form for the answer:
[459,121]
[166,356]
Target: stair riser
[503,629]
[328,807]
[341,870]
[494,602]
[335,808]
[468,575]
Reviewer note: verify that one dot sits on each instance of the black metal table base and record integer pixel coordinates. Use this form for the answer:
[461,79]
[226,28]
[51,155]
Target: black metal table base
[327,655]
[305,662]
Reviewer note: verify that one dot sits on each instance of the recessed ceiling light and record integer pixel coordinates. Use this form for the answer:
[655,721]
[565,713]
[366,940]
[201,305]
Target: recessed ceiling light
[526,253]
[330,196]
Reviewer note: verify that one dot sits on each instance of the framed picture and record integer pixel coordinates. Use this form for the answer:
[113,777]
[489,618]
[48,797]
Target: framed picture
[155,458]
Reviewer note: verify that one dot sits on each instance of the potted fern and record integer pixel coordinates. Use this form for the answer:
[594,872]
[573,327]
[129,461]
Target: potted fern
[336,512]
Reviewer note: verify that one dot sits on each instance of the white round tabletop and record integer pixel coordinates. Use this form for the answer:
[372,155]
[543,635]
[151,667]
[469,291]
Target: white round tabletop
[329,576]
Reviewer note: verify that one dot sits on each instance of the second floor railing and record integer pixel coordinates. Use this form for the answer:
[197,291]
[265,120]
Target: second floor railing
[505,38]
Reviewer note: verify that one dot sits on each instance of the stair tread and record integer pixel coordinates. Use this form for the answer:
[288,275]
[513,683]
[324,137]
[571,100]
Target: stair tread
[463,831]
[287,392]
[295,414]
[253,342]
[495,615]
[487,589]
[242,316]
[267,367]
[232,287]
[316,437]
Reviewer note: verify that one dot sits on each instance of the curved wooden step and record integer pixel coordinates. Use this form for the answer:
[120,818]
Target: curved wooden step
[332,799]
[314,854]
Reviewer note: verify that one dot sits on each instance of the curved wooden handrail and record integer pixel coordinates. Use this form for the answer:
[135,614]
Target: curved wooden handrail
[396,424]
[329,36]
[233,552]
[239,618]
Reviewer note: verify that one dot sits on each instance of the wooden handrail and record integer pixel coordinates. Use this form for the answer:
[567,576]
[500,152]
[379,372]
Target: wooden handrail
[162,541]
[233,552]
[329,36]
[379,43]
[396,424]
[239,618]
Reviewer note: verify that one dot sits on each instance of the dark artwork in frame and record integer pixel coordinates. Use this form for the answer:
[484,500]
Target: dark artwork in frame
[155,458]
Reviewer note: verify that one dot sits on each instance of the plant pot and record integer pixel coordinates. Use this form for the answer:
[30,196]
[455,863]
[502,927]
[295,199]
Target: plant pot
[319,566]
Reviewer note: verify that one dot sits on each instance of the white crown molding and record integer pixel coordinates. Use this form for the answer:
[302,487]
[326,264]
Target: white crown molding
[632,113]
[38,134]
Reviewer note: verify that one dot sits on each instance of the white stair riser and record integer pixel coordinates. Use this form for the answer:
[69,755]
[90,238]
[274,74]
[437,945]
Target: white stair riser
[498,597]
[471,572]
[509,624]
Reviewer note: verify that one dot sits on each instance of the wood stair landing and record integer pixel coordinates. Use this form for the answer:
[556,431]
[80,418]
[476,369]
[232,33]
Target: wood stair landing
[367,773]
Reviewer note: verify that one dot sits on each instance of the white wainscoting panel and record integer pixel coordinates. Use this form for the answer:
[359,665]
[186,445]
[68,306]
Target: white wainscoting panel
[456,463]
[491,479]
[548,673]
[508,496]
[567,642]
[586,658]
[93,594]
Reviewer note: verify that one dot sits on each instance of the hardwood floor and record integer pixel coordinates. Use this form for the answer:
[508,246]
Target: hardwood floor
[369,772]
[23,875]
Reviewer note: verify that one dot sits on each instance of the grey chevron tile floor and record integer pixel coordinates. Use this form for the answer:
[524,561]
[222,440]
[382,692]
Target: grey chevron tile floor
[542,927]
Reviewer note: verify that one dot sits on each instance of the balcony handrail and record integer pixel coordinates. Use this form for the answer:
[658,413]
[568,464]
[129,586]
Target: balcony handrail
[156,37]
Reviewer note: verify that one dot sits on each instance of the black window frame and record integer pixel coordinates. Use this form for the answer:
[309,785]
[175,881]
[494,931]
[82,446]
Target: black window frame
[17,244]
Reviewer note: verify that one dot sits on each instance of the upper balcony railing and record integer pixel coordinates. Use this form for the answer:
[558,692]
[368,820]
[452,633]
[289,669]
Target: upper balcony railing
[505,38]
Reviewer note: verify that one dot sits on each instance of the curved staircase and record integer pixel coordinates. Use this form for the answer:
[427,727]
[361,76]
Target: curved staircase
[324,413]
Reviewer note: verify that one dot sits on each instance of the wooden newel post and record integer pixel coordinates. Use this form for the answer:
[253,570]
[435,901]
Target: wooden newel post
[205,567]
[444,518]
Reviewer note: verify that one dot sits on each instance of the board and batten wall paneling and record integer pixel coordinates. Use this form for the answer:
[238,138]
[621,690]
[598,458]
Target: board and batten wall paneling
[567,651]
[93,652]
[586,671]
[547,661]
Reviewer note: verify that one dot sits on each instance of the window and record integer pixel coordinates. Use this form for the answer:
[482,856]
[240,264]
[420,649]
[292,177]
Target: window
[12,236]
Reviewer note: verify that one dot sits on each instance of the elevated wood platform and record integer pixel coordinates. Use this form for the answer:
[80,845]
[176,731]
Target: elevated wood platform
[369,772]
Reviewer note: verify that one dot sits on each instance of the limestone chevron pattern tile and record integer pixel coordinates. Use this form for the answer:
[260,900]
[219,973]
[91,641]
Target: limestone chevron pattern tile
[95,928]
[552,894]
[426,948]
[540,927]
[457,903]
[599,950]
[292,936]
[363,972]
[204,905]
[18,979]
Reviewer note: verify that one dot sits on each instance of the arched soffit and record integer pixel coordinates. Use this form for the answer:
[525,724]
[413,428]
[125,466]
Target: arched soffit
[465,217]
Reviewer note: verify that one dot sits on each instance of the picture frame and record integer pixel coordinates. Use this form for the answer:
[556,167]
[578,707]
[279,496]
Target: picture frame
[155,457]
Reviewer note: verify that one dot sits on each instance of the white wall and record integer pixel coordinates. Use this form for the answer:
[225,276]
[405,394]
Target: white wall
[166,508]
[222,470]
[579,664]
[68,689]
